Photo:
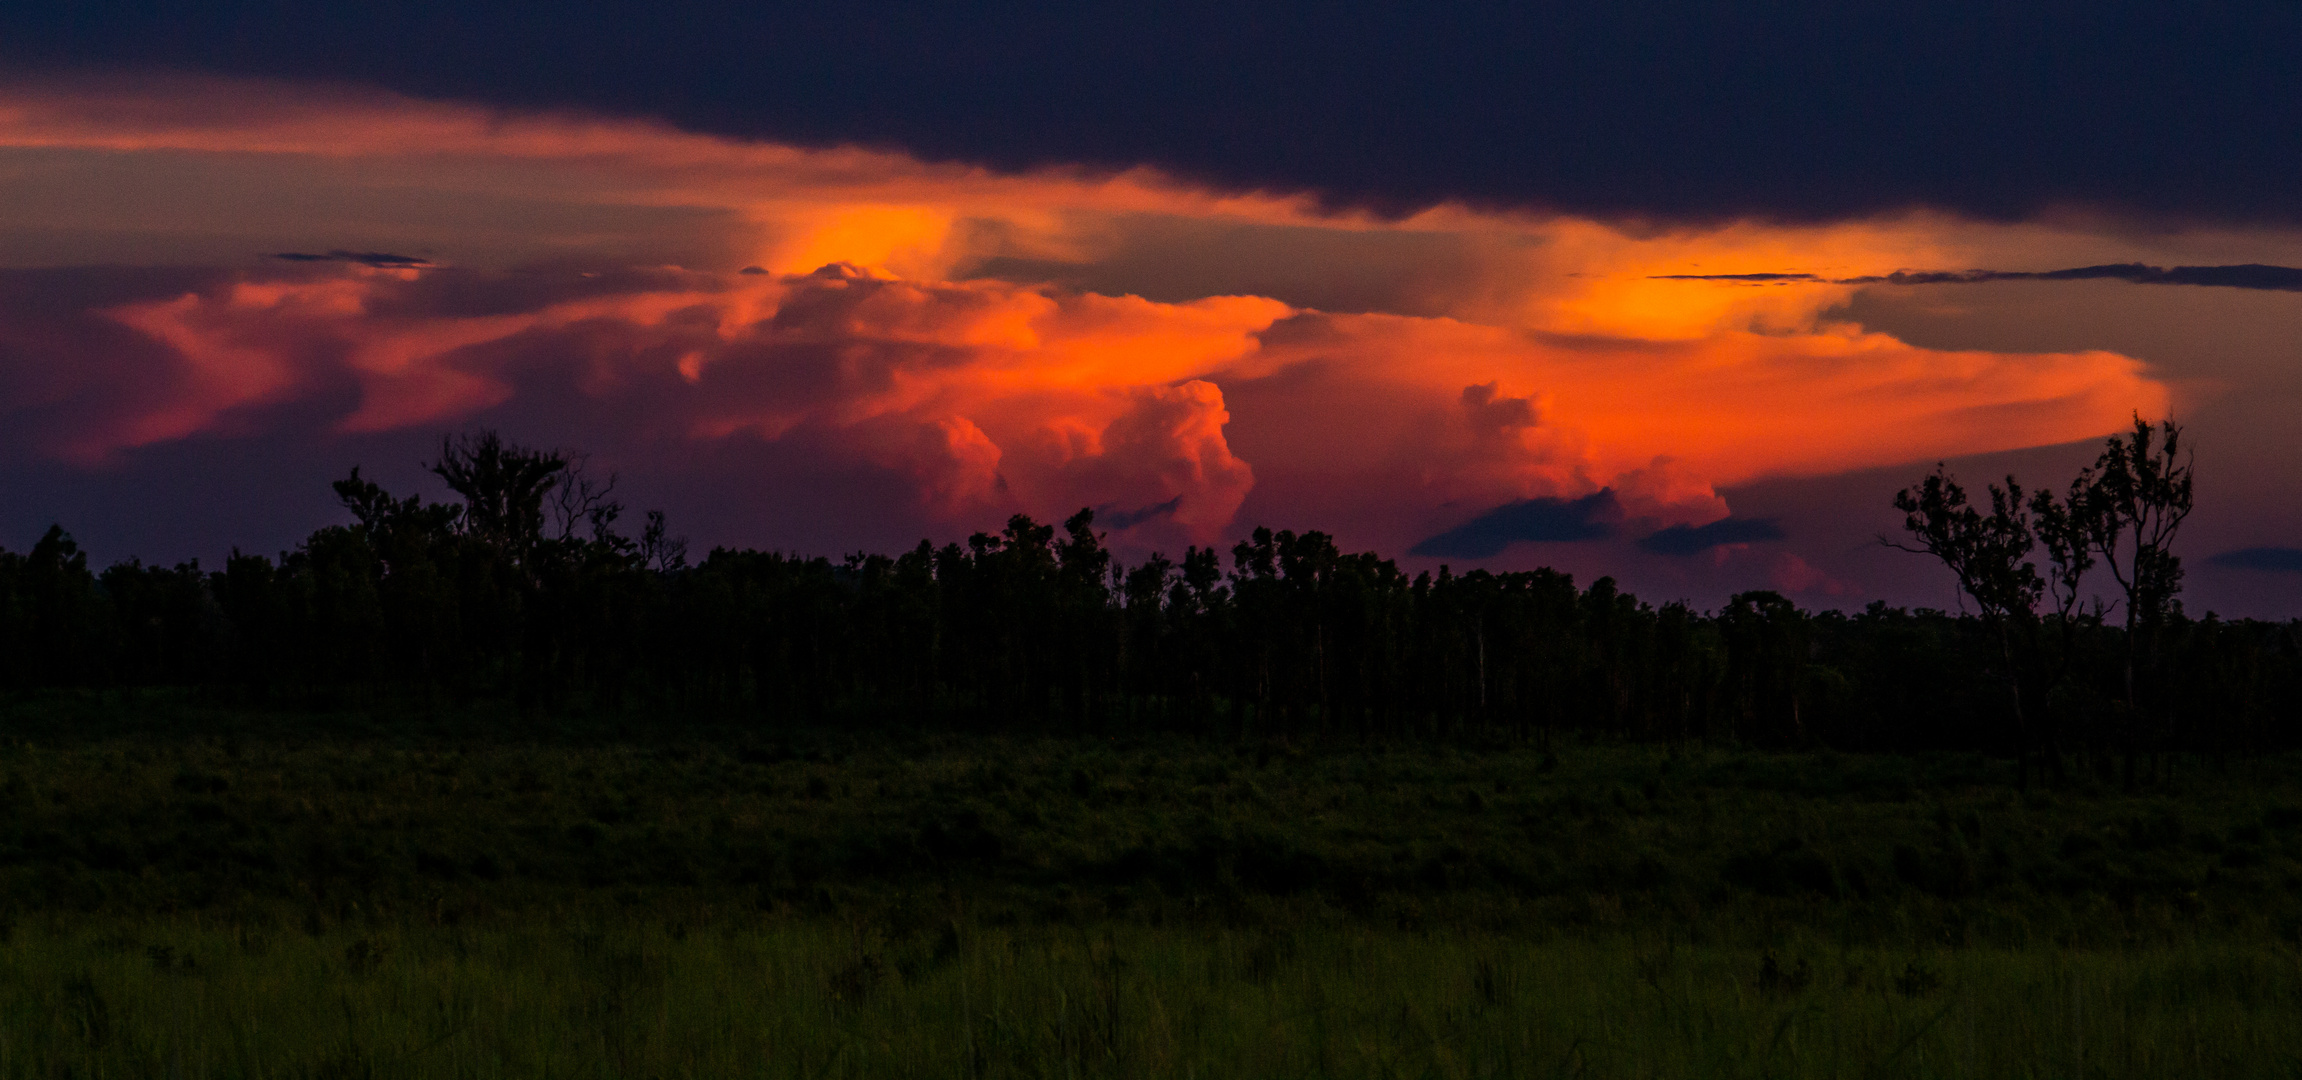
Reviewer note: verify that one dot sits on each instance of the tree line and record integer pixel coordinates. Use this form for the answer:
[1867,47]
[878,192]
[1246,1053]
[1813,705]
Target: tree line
[527,589]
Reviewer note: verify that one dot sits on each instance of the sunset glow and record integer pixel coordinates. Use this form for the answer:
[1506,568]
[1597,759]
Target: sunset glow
[1027,342]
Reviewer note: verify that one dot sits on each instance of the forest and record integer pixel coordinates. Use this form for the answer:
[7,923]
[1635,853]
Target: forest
[525,591]
[493,787]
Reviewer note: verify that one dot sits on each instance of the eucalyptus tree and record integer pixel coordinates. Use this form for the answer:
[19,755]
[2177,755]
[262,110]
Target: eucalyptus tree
[2137,494]
[2064,526]
[503,486]
[1989,554]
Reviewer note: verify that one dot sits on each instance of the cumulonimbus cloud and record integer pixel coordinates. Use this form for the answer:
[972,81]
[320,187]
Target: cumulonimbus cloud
[987,394]
[890,313]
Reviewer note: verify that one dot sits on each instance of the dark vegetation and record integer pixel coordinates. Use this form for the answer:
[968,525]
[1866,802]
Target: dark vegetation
[193,892]
[525,592]
[505,701]
[490,788]
[315,822]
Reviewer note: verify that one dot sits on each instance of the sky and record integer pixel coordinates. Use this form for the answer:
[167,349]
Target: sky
[1675,293]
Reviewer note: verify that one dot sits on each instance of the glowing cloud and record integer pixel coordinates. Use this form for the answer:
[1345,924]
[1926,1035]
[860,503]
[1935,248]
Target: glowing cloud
[987,393]
[915,318]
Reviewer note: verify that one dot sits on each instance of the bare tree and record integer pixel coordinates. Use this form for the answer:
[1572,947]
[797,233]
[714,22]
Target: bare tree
[581,502]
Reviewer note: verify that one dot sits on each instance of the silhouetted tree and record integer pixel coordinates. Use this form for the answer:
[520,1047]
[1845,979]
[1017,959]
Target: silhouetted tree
[1989,555]
[658,550]
[2065,528]
[582,506]
[503,486]
[513,594]
[1766,638]
[2137,495]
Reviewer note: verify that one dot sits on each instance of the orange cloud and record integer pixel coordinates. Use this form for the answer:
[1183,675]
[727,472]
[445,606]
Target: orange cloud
[1665,422]
[930,319]
[984,393]
[988,393]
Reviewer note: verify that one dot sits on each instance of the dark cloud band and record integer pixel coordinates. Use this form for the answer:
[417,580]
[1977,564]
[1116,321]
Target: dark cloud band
[1116,519]
[1806,110]
[1539,521]
[1685,540]
[2240,276]
[380,259]
[2280,560]
[1597,516]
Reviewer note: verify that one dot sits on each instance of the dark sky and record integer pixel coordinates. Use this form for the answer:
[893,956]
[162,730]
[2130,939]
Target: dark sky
[1797,111]
[1679,293]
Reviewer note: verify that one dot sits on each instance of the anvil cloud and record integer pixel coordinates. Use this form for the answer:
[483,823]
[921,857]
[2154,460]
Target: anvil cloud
[956,343]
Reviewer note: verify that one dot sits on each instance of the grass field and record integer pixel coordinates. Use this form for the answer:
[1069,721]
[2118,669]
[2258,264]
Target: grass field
[189,893]
[810,998]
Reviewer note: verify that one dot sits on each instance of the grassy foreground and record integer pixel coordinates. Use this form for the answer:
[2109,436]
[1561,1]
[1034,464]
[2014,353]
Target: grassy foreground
[171,998]
[189,893]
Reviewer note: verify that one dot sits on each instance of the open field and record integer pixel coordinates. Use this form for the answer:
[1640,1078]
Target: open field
[323,820]
[816,998]
[192,893]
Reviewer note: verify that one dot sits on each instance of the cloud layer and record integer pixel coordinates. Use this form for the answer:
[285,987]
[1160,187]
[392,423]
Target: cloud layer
[985,397]
[2279,560]
[1798,111]
[2243,276]
[949,345]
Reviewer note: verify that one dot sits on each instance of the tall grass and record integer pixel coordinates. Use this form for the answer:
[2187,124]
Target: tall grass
[804,998]
[1719,845]
[246,897]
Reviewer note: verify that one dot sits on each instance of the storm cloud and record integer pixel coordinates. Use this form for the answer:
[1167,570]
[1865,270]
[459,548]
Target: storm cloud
[1802,111]
[380,259]
[976,399]
[1547,520]
[2240,276]
[1696,539]
[826,347]
[2280,560]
